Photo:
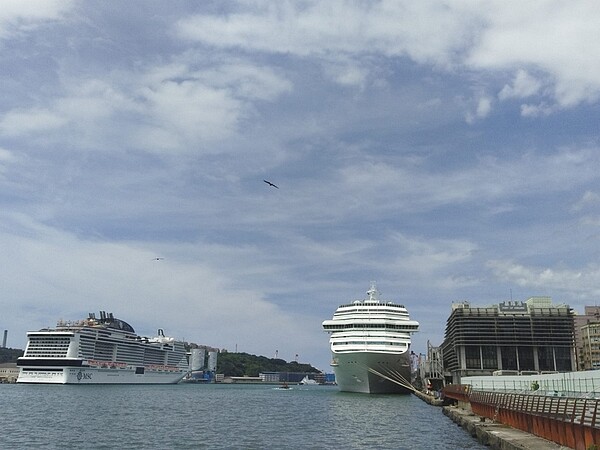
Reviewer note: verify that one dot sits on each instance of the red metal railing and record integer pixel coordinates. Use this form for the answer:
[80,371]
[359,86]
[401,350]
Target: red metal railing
[458,392]
[569,421]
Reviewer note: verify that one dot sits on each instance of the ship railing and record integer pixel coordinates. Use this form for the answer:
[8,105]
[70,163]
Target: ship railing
[122,365]
[163,368]
[106,364]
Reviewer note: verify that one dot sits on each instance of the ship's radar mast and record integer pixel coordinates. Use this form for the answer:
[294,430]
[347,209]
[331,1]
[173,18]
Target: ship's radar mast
[373,293]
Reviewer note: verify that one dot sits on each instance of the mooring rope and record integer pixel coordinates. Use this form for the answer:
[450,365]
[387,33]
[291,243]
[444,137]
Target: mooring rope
[403,382]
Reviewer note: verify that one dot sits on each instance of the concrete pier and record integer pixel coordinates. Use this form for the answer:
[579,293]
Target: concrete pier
[429,398]
[496,435]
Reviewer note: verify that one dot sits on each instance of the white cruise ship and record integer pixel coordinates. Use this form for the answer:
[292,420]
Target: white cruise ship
[103,350]
[370,345]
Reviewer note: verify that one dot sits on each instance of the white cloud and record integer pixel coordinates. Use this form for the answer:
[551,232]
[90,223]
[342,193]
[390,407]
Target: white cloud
[335,28]
[191,111]
[542,109]
[22,122]
[348,74]
[92,100]
[500,36]
[6,159]
[588,199]
[6,156]
[482,110]
[487,181]
[429,257]
[191,106]
[17,16]
[552,42]
[524,85]
[572,283]
[171,107]
[246,80]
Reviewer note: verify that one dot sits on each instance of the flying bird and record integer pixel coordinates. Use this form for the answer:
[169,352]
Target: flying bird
[271,184]
[158,258]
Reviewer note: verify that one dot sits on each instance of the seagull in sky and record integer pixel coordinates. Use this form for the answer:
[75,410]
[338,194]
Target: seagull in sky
[158,258]
[271,184]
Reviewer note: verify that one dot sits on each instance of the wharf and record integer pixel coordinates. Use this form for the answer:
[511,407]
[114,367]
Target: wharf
[429,398]
[496,435]
[487,432]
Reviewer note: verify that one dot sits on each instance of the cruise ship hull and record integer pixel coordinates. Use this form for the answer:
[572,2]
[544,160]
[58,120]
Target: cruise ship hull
[372,373]
[103,350]
[92,375]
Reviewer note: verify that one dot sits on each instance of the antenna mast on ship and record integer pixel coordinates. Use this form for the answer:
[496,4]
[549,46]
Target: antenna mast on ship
[373,293]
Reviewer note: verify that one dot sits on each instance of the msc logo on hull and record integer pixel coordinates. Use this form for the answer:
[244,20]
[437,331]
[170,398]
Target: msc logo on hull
[81,375]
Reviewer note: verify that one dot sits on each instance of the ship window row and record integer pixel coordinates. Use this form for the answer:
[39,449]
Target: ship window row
[363,338]
[381,316]
[386,343]
[48,347]
[152,356]
[128,354]
[47,341]
[370,325]
[177,357]
[386,305]
[363,312]
[359,311]
[46,354]
[49,344]
[363,309]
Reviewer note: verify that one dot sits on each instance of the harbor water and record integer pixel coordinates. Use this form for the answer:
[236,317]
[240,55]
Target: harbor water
[192,416]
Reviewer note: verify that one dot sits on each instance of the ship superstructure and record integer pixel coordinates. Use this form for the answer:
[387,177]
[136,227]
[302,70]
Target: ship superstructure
[370,345]
[103,350]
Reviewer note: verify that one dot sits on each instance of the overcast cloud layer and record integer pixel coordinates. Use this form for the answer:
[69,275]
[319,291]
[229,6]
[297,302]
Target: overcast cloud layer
[447,150]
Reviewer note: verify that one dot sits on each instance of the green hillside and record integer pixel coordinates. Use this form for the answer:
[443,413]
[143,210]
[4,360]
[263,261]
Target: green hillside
[244,364]
[10,355]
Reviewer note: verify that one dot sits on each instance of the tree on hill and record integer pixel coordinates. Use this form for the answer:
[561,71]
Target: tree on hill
[244,364]
[10,355]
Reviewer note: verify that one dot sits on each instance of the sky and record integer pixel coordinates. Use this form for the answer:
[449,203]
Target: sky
[447,150]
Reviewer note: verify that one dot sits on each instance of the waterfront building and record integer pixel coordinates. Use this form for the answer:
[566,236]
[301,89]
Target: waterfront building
[587,338]
[9,372]
[269,377]
[513,337]
[589,352]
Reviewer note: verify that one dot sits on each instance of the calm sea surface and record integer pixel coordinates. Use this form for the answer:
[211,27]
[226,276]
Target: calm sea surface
[220,416]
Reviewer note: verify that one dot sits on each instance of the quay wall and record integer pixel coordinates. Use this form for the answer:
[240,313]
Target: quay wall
[496,435]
